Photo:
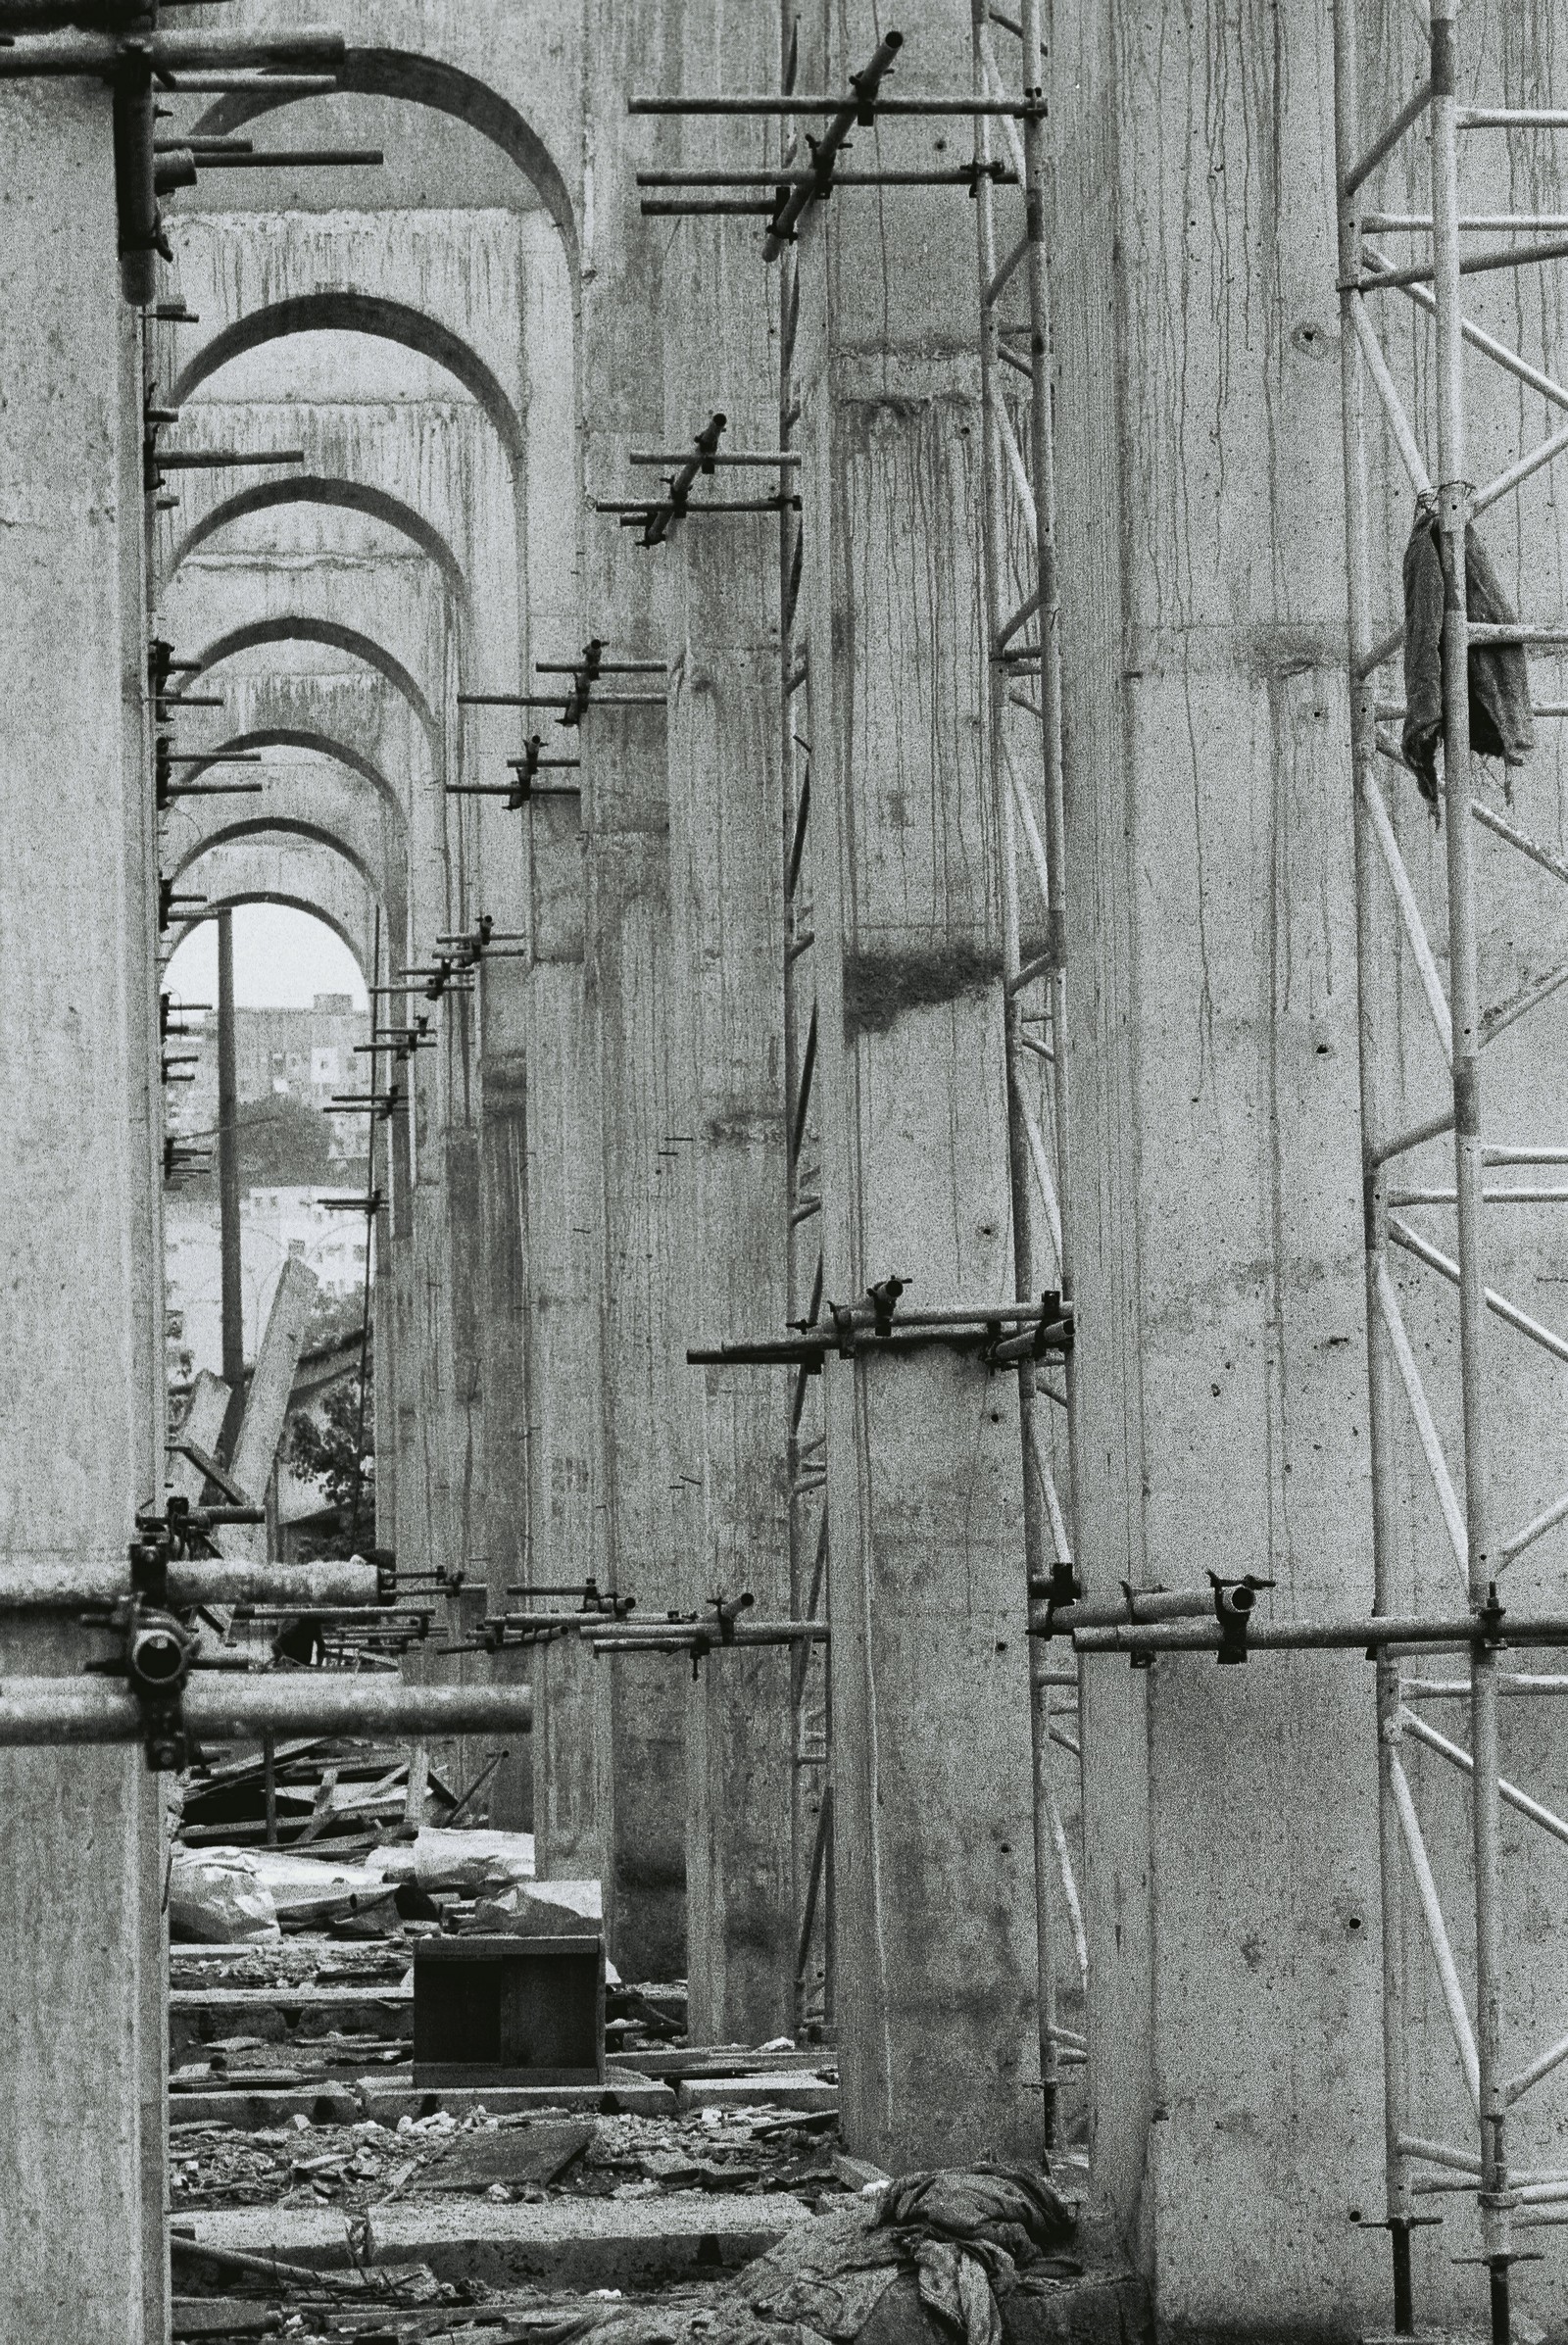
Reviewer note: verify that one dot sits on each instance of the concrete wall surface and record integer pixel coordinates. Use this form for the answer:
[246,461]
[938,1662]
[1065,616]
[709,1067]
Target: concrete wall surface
[588,1168]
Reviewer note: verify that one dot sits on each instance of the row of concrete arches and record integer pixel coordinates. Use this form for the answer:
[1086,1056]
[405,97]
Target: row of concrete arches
[339,310]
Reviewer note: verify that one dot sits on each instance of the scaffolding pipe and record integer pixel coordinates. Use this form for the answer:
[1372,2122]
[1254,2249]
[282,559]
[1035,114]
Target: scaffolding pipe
[1329,1635]
[52,1583]
[224,1708]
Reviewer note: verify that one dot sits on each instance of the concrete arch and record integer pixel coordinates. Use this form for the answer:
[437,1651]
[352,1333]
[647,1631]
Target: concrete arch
[430,82]
[233,901]
[348,496]
[340,310]
[240,827]
[300,876]
[322,745]
[298,629]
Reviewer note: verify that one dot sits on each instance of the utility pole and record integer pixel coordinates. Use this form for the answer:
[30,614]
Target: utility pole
[229,1184]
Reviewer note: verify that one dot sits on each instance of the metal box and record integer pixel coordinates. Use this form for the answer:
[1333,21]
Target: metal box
[508,2011]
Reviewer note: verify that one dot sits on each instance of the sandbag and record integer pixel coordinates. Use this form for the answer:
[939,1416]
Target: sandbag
[216,1900]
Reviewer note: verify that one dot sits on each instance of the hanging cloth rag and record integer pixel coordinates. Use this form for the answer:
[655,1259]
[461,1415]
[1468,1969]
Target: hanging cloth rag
[1500,722]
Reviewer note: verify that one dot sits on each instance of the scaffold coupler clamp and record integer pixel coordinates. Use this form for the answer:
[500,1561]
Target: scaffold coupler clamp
[155,1653]
[1140,1657]
[1234,1601]
[1490,1618]
[604,1602]
[727,1611]
[1061,1588]
[884,1300]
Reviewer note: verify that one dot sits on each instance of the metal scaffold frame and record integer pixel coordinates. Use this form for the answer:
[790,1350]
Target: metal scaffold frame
[1022,621]
[1466,1496]
[1016,523]
[812,1795]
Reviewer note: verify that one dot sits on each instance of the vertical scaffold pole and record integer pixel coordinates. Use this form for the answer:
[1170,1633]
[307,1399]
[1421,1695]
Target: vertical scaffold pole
[1381,1368]
[1047,1542]
[810,1808]
[1453,496]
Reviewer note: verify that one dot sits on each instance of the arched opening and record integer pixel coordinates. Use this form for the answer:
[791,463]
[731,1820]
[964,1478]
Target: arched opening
[296,628]
[349,496]
[301,1025]
[430,82]
[336,311]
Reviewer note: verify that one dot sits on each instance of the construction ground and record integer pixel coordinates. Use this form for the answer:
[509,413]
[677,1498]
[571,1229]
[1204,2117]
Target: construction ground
[922,660]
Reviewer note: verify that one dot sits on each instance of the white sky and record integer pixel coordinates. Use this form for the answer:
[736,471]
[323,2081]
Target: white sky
[282,959]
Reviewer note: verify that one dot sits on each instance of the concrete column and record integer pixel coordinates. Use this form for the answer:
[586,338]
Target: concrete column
[542,1197]
[726,916]
[627,979]
[931,1772]
[1231,1868]
[81,2095]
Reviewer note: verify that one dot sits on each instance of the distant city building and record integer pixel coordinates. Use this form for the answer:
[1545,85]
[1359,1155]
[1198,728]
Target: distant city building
[305,1054]
[274,1225]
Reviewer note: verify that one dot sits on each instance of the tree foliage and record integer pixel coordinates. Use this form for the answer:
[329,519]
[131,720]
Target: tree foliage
[324,1449]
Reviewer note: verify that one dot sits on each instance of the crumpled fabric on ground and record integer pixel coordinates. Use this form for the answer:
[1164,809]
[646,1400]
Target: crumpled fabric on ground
[1501,721]
[958,2288]
[967,2229]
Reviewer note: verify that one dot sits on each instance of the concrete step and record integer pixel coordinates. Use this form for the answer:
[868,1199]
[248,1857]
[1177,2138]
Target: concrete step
[805,2096]
[564,2243]
[727,2060]
[201,2014]
[347,2100]
[619,2095]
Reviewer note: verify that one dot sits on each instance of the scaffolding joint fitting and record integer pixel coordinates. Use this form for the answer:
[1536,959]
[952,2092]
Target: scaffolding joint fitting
[1234,1601]
[1061,1589]
[1490,1618]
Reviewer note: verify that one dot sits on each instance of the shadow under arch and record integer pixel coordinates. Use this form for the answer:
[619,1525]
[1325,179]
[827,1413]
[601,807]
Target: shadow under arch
[337,309]
[348,496]
[430,82]
[294,628]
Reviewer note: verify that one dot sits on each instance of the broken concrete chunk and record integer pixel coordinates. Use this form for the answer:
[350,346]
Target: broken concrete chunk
[539,1909]
[514,2155]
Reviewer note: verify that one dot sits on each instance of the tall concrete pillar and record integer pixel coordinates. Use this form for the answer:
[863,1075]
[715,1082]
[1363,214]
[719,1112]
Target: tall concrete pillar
[726,919]
[628,977]
[934,1874]
[81,2081]
[1230,1866]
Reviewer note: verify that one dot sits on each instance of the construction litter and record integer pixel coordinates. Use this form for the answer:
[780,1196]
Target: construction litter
[219,1896]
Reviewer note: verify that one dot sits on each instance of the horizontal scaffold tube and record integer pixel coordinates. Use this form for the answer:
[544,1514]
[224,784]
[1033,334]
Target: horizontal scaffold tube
[53,1583]
[172,51]
[1282,1637]
[1137,1606]
[219,1708]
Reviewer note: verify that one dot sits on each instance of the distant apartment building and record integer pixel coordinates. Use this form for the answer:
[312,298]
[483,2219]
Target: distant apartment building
[275,1224]
[302,1054]
[305,1054]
